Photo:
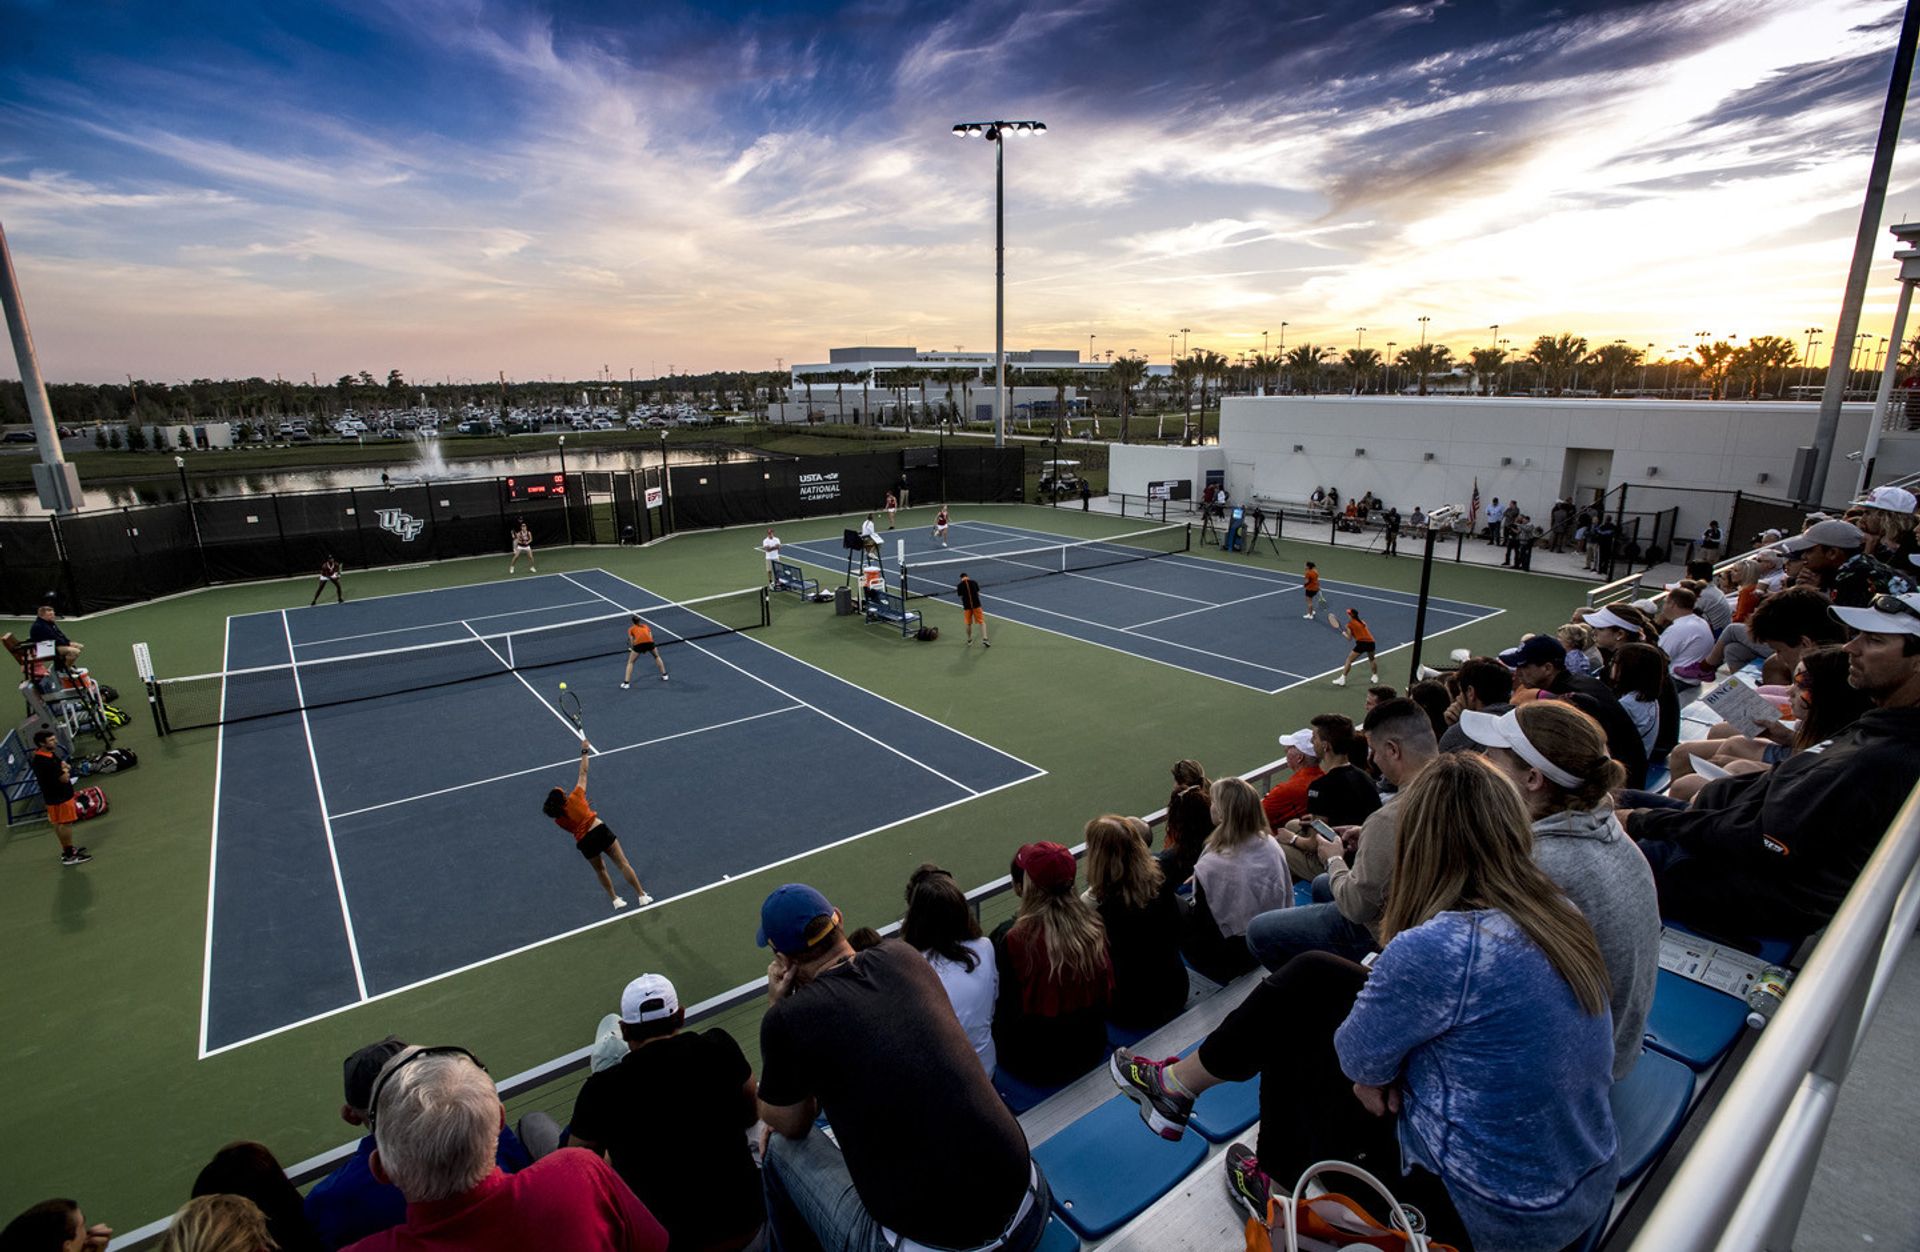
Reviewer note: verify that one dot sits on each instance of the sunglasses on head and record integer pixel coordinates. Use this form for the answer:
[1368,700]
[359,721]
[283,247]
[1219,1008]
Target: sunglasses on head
[386,1075]
[1892,605]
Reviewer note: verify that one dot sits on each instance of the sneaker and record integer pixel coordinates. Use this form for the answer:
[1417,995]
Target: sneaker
[1307,616]
[969,641]
[75,856]
[1144,1082]
[663,678]
[1247,1183]
[624,686]
[986,643]
[619,903]
[643,899]
[1340,681]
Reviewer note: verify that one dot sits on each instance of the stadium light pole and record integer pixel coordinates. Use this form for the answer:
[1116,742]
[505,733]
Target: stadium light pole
[995,133]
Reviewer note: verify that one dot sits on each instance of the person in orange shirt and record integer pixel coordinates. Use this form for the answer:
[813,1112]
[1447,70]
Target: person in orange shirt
[1363,645]
[571,813]
[1288,800]
[1312,588]
[640,643]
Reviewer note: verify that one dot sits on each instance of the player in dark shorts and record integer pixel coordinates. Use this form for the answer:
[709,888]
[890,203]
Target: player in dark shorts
[571,813]
[640,643]
[56,789]
[329,573]
[1312,588]
[1363,645]
[970,610]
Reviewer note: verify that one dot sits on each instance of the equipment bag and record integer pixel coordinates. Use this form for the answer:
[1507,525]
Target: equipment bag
[124,758]
[101,764]
[89,802]
[927,634]
[115,715]
[109,693]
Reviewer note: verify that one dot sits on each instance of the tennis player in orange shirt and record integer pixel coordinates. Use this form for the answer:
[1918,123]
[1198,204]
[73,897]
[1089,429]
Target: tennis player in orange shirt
[1363,645]
[571,813]
[1312,588]
[640,643]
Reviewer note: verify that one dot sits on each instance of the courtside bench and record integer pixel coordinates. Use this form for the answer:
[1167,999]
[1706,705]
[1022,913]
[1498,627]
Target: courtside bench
[17,783]
[792,578]
[885,606]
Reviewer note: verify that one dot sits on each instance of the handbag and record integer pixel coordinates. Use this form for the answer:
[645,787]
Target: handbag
[1331,1222]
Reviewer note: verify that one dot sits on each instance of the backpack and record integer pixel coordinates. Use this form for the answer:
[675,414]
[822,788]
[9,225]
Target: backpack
[109,693]
[124,758]
[89,802]
[115,715]
[927,634]
[104,763]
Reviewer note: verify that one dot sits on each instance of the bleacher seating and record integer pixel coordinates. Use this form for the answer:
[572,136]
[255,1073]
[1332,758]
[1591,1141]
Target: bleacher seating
[885,606]
[788,577]
[1693,1022]
[1648,1107]
[1105,1169]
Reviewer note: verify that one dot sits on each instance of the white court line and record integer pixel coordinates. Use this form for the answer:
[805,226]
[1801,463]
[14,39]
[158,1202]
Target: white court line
[213,852]
[537,769]
[615,918]
[326,823]
[1206,608]
[566,721]
[1184,647]
[788,694]
[465,621]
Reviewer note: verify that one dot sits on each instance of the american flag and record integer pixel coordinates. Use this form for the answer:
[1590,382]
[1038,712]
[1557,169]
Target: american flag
[1473,509]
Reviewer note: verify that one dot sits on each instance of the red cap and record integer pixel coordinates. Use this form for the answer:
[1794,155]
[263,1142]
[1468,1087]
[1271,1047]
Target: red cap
[1047,865]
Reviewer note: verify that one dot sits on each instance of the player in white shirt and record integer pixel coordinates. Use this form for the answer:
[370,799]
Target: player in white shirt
[940,526]
[771,546]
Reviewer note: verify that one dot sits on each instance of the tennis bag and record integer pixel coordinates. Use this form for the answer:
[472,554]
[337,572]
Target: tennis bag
[115,715]
[927,634]
[89,802]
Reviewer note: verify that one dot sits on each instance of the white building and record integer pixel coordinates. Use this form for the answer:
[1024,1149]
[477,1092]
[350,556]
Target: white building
[1430,451]
[851,384]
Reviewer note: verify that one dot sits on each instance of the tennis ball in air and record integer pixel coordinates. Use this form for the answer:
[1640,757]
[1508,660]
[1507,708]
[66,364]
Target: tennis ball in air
[563,686]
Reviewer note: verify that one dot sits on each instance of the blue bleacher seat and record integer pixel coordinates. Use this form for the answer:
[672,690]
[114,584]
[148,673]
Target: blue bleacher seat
[1107,1167]
[1692,1022]
[1648,1107]
[1058,1238]
[1020,1095]
[1224,1112]
[1302,894]
[1124,1036]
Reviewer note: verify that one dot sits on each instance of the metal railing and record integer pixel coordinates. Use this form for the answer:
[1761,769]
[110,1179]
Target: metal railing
[1744,1181]
[528,1081]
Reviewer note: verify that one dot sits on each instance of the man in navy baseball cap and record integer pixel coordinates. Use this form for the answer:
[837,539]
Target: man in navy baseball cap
[794,918]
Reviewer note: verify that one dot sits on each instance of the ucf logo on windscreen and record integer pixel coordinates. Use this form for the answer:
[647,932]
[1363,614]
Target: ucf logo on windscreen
[401,523]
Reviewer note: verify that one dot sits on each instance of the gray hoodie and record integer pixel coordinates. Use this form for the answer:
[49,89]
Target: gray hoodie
[1609,881]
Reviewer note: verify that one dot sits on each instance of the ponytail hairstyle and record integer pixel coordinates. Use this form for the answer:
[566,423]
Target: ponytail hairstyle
[555,805]
[1573,741]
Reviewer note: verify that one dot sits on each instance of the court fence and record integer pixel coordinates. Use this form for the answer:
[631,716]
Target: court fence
[91,560]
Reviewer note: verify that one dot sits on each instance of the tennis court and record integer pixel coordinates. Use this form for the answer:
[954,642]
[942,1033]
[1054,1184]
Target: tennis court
[381,765]
[1149,596]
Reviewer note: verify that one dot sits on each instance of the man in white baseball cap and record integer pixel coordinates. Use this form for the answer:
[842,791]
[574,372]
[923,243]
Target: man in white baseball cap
[1892,499]
[1288,800]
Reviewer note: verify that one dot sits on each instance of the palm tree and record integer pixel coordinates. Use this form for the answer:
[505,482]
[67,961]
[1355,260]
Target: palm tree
[1762,356]
[1208,365]
[1716,360]
[1308,357]
[1125,374]
[1267,370]
[1362,364]
[1486,364]
[1609,361]
[806,380]
[1186,371]
[1557,358]
[1424,361]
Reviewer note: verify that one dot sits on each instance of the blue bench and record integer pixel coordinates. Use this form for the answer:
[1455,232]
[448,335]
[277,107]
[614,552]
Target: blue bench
[1691,1021]
[1020,1095]
[1107,1168]
[1649,1106]
[885,606]
[792,578]
[17,783]
[1059,1237]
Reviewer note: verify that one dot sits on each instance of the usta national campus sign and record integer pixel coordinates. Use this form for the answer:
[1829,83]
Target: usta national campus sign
[820,486]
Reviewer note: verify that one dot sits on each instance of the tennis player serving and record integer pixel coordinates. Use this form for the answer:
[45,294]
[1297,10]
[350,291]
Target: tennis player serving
[640,643]
[571,813]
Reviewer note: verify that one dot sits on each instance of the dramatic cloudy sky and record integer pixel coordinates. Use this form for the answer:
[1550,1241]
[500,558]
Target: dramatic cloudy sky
[456,187]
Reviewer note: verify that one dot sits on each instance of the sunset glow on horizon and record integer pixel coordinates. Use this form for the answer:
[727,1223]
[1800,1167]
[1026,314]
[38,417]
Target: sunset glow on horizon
[455,188]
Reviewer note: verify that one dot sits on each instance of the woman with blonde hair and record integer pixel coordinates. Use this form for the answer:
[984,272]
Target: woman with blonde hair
[219,1223]
[1478,1051]
[1139,909]
[1557,757]
[1241,874]
[1056,976]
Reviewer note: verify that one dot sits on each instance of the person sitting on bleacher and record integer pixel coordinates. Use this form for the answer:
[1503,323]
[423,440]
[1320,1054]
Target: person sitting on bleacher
[1783,626]
[1142,918]
[1711,602]
[1189,821]
[1540,663]
[1772,855]
[1485,686]
[1478,1050]
[350,1203]
[699,1181]
[1823,704]
[940,926]
[1686,639]
[1637,673]
[1287,800]
[871,1041]
[436,1118]
[46,629]
[1342,796]
[1241,875]
[1056,973]
[1351,897]
[1557,757]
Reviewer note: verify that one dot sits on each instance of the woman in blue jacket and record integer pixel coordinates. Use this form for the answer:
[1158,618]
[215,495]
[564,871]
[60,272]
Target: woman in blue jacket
[1469,1069]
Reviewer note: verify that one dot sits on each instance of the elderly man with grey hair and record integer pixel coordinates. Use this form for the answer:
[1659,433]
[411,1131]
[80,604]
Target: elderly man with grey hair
[436,1119]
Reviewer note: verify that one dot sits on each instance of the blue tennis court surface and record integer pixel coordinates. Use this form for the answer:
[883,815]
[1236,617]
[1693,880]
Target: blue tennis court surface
[1210,615]
[365,847]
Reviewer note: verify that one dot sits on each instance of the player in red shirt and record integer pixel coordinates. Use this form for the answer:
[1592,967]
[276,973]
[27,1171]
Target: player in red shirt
[1363,645]
[571,813]
[640,643]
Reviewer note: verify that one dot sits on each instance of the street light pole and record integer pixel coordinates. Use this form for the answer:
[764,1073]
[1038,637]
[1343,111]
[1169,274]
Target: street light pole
[995,132]
[1183,341]
[1423,332]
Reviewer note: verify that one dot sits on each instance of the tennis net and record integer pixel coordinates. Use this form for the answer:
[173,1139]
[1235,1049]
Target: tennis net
[937,578]
[238,695]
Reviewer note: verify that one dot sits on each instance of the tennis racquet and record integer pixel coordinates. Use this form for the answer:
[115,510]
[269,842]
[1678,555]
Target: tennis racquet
[570,705]
[1333,620]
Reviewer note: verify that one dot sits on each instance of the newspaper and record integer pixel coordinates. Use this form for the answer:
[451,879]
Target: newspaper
[1740,706]
[1720,967]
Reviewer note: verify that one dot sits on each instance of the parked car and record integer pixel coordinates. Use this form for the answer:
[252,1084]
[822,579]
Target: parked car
[601,423]
[20,436]
[471,428]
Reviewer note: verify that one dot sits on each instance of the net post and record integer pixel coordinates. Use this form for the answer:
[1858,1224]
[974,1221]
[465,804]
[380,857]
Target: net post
[143,670]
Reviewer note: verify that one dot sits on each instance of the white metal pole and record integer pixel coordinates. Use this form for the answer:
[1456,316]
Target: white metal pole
[1880,401]
[59,485]
[1000,289]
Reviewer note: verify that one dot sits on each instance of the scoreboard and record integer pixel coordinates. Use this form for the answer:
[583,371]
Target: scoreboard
[538,487]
